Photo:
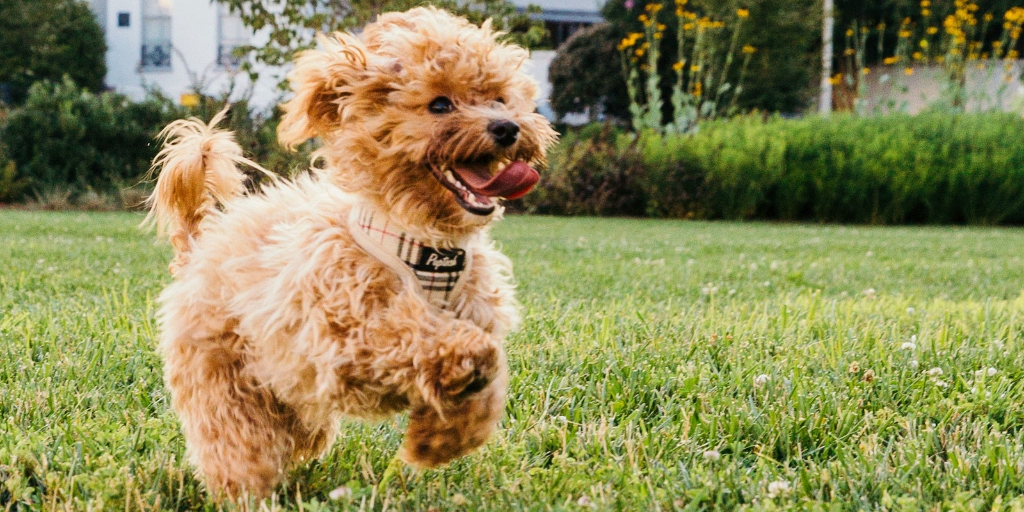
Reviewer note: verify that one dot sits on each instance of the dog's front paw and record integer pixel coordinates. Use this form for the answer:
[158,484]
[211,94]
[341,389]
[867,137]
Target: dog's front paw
[466,372]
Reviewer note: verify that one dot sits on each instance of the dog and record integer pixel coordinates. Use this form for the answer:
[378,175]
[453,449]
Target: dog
[367,287]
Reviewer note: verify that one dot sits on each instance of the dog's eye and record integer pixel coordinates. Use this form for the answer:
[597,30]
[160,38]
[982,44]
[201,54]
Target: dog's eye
[500,100]
[441,105]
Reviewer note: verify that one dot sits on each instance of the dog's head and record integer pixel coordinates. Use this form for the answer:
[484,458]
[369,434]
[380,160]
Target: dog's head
[425,114]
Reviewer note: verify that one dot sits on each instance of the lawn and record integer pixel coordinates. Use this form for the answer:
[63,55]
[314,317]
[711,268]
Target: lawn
[661,366]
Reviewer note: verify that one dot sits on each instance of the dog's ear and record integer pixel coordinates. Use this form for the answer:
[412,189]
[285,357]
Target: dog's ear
[331,86]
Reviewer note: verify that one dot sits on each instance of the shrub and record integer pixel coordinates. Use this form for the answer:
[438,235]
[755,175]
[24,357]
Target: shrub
[67,137]
[586,74]
[932,168]
[47,40]
[12,186]
[590,173]
[94,150]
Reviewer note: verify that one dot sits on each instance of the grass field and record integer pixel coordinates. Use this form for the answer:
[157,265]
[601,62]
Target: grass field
[662,366]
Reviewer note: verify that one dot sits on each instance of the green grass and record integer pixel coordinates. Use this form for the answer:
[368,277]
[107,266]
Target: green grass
[644,347]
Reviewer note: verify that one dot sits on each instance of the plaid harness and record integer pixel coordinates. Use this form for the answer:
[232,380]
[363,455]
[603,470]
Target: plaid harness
[437,270]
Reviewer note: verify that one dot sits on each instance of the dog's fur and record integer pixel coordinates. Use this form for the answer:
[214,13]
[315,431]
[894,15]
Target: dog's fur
[277,322]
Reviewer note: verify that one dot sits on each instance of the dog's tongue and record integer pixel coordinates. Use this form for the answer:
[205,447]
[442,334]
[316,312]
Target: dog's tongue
[511,183]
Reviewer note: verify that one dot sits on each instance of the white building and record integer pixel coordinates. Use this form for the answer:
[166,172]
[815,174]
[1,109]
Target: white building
[179,46]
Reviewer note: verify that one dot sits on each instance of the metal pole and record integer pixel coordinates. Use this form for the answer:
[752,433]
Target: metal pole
[825,100]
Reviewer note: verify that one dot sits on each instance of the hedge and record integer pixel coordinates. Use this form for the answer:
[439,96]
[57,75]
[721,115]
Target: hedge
[931,168]
[68,141]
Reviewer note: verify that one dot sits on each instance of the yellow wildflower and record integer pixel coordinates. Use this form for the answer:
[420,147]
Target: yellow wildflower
[694,68]
[988,17]
[836,79]
[890,61]
[747,49]
[653,8]
[923,44]
[925,3]
[865,71]
[904,33]
[678,66]
[917,56]
[849,51]
[743,13]
[849,32]
[932,30]
[908,71]
[697,89]
[926,12]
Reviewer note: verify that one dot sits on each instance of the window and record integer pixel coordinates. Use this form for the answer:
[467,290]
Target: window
[232,33]
[156,35]
[124,19]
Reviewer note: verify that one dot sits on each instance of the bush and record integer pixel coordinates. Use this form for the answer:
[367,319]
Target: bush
[93,150]
[593,175]
[65,137]
[933,168]
[586,74]
[48,40]
[11,185]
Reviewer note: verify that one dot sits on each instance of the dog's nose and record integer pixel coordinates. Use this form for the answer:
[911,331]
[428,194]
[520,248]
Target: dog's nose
[504,132]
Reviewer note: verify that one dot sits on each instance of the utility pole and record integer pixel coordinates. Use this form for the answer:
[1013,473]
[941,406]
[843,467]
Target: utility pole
[828,21]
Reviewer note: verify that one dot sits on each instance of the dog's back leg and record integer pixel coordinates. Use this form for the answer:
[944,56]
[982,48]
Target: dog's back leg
[239,436]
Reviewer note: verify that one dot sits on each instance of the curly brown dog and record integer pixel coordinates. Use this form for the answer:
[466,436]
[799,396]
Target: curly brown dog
[367,288]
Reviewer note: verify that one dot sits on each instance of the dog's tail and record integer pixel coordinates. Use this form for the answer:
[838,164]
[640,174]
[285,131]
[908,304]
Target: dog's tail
[198,169]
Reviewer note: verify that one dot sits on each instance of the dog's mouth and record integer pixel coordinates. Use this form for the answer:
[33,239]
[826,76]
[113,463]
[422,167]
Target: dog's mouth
[477,186]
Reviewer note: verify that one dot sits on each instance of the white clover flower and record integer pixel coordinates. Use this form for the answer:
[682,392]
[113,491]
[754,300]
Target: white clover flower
[341,492]
[869,254]
[459,500]
[908,345]
[934,372]
[761,380]
[913,364]
[941,383]
[870,293]
[584,501]
[709,289]
[778,488]
[911,310]
[712,455]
